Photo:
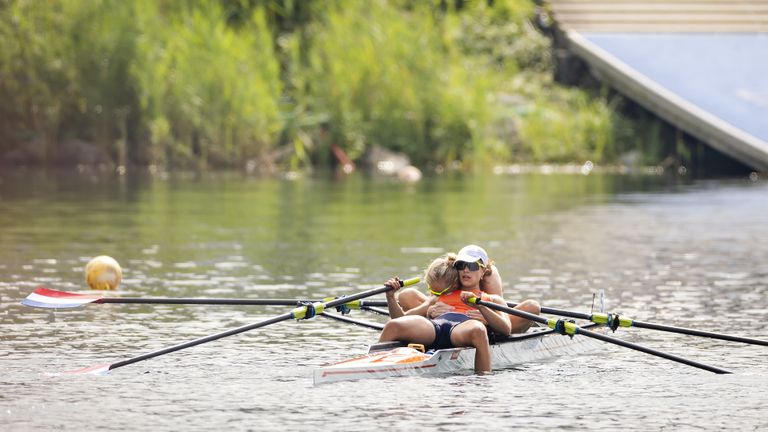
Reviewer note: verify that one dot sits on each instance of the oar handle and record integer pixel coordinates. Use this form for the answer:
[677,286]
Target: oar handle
[409,282]
[316,308]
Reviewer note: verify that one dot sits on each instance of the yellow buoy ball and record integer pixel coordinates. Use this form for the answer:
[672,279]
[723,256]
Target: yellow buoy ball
[103,273]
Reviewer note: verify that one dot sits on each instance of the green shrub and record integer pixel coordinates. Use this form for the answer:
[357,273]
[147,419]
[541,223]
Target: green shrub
[209,93]
[395,78]
[216,82]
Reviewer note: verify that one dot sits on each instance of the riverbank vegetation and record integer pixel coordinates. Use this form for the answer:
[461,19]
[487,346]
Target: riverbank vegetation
[273,84]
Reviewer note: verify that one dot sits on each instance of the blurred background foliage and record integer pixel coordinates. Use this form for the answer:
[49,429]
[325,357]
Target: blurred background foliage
[273,84]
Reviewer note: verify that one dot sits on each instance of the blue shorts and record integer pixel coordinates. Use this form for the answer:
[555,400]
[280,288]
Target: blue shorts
[444,325]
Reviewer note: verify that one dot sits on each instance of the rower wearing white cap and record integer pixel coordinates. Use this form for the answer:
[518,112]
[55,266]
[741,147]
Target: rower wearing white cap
[475,270]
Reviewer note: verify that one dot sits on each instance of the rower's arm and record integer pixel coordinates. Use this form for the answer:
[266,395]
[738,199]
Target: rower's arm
[395,310]
[498,321]
[422,308]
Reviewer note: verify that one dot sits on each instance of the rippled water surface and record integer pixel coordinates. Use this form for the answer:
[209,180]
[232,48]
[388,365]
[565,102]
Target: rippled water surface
[691,255]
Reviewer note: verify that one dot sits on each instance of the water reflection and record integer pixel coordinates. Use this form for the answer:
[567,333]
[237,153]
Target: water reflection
[688,255]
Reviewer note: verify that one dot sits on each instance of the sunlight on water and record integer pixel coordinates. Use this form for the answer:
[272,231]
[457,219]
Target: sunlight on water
[691,256]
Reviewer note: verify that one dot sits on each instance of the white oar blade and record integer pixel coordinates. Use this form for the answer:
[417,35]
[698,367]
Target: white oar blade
[52,299]
[96,370]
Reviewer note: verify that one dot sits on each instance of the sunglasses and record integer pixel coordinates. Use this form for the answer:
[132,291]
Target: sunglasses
[472,266]
[438,293]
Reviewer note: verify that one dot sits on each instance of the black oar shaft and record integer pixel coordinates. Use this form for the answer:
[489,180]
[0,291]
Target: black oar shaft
[693,332]
[375,310]
[565,313]
[218,301]
[653,326]
[579,330]
[202,301]
[375,326]
[298,313]
[341,300]
[234,331]
[650,351]
[510,310]
[559,312]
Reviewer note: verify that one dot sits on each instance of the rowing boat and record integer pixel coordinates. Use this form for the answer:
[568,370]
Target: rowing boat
[395,359]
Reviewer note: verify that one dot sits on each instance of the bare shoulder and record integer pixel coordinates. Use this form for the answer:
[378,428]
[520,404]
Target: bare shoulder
[492,284]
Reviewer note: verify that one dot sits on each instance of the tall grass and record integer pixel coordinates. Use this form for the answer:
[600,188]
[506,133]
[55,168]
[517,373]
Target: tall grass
[35,73]
[208,93]
[393,78]
[565,125]
[215,83]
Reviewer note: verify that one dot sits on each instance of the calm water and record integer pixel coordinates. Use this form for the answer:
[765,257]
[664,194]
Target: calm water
[691,255]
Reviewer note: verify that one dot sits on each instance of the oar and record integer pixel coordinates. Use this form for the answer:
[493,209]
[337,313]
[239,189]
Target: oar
[369,307]
[302,312]
[615,321]
[346,319]
[53,299]
[571,329]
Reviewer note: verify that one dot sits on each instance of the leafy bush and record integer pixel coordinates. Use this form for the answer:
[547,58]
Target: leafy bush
[395,78]
[214,83]
[208,93]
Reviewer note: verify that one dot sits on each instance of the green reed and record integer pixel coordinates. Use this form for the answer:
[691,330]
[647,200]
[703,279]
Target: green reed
[225,83]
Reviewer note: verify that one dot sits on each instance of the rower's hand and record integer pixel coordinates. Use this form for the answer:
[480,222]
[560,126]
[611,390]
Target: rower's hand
[393,283]
[465,296]
[438,308]
[474,313]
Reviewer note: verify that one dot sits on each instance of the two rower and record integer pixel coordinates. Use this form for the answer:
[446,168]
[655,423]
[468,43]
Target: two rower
[453,280]
[490,283]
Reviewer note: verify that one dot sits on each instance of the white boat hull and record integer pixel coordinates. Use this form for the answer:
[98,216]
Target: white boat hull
[537,344]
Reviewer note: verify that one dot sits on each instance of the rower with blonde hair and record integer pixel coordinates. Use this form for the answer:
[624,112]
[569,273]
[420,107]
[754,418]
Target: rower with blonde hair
[490,283]
[454,328]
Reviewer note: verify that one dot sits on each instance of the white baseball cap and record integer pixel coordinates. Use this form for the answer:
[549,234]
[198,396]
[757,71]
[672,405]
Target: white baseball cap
[473,253]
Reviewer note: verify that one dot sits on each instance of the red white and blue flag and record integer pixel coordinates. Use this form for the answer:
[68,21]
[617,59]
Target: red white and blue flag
[52,299]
